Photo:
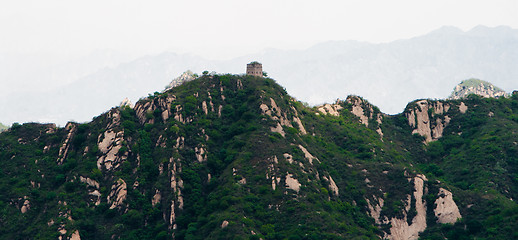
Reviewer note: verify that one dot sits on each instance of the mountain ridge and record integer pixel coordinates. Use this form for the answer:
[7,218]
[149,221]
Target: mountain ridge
[227,156]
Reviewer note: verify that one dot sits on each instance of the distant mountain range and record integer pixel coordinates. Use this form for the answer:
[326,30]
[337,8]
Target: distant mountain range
[389,74]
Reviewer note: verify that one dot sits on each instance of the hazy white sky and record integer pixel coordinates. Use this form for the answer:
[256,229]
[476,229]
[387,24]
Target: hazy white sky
[229,28]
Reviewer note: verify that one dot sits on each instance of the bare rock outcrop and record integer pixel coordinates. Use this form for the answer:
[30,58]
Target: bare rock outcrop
[278,129]
[292,183]
[164,103]
[201,155]
[156,198]
[26,205]
[224,224]
[365,112]
[446,210]
[281,117]
[118,194]
[126,103]
[75,235]
[142,108]
[428,119]
[89,181]
[71,128]
[463,108]
[187,76]
[400,228]
[300,125]
[307,155]
[478,87]
[176,186]
[331,109]
[332,185]
[93,189]
[357,109]
[110,143]
[271,172]
[418,119]
[375,209]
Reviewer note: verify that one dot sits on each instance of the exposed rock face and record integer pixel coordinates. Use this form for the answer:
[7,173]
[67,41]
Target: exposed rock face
[89,181]
[224,224]
[165,106]
[446,210]
[63,151]
[331,109]
[292,183]
[271,173]
[185,77]
[419,119]
[64,217]
[110,144]
[126,103]
[365,112]
[428,119]
[375,208]
[278,129]
[93,189]
[357,109]
[142,109]
[300,125]
[75,236]
[332,185]
[463,108]
[156,198]
[281,117]
[400,228]
[308,155]
[118,194]
[478,87]
[176,186]
[201,156]
[26,205]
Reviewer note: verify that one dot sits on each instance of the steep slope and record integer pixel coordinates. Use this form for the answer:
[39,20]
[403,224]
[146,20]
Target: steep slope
[472,148]
[227,156]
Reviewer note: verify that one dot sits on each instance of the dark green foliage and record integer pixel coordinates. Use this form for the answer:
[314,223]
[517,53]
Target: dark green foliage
[476,159]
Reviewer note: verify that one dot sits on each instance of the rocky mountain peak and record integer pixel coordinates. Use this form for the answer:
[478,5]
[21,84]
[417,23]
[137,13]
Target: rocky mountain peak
[126,102]
[185,77]
[478,87]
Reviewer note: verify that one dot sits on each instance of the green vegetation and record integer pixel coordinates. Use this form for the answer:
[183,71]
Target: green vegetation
[478,158]
[473,82]
[210,159]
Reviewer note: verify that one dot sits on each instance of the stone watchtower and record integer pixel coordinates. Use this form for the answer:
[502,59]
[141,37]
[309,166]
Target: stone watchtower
[254,69]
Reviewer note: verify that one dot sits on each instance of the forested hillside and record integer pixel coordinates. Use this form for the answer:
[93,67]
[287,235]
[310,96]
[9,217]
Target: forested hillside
[235,157]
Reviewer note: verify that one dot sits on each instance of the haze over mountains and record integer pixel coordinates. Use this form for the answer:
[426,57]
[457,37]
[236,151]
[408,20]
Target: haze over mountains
[389,75]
